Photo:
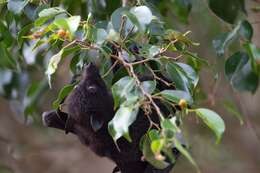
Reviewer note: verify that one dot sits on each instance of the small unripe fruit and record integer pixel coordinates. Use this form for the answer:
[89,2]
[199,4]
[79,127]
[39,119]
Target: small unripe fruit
[183,103]
[159,156]
[62,33]
[38,34]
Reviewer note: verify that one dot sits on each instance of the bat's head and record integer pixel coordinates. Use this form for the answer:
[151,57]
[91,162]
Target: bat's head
[89,103]
[92,81]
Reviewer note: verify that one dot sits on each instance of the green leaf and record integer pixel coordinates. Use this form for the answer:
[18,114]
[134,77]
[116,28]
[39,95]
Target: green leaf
[64,92]
[156,146]
[177,76]
[124,117]
[70,24]
[40,21]
[223,40]
[143,15]
[149,86]
[5,35]
[149,155]
[53,65]
[176,95]
[16,6]
[131,22]
[101,36]
[253,51]
[196,58]
[116,18]
[122,89]
[154,134]
[227,10]
[191,74]
[170,124]
[182,8]
[238,70]
[213,121]
[175,35]
[246,30]
[183,151]
[6,60]
[154,50]
[51,12]
[55,60]
[23,32]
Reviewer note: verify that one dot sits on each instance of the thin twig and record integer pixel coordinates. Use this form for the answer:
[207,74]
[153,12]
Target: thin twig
[142,61]
[158,78]
[130,32]
[110,69]
[122,26]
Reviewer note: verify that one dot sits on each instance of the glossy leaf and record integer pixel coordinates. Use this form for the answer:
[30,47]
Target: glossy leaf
[170,124]
[55,60]
[64,92]
[221,42]
[149,86]
[184,151]
[213,121]
[156,146]
[176,95]
[16,6]
[122,89]
[101,36]
[6,60]
[143,15]
[253,51]
[6,37]
[178,77]
[154,50]
[227,10]
[53,65]
[149,155]
[175,35]
[70,24]
[117,17]
[246,30]
[191,74]
[50,12]
[25,30]
[124,117]
[239,71]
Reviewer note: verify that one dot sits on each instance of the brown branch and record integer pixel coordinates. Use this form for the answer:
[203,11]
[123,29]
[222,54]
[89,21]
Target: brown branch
[131,72]
[110,69]
[122,26]
[158,78]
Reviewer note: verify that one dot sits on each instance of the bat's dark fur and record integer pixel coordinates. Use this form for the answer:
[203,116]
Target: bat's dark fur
[90,108]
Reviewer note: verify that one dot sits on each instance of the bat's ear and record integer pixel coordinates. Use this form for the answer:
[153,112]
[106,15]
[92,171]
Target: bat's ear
[96,122]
